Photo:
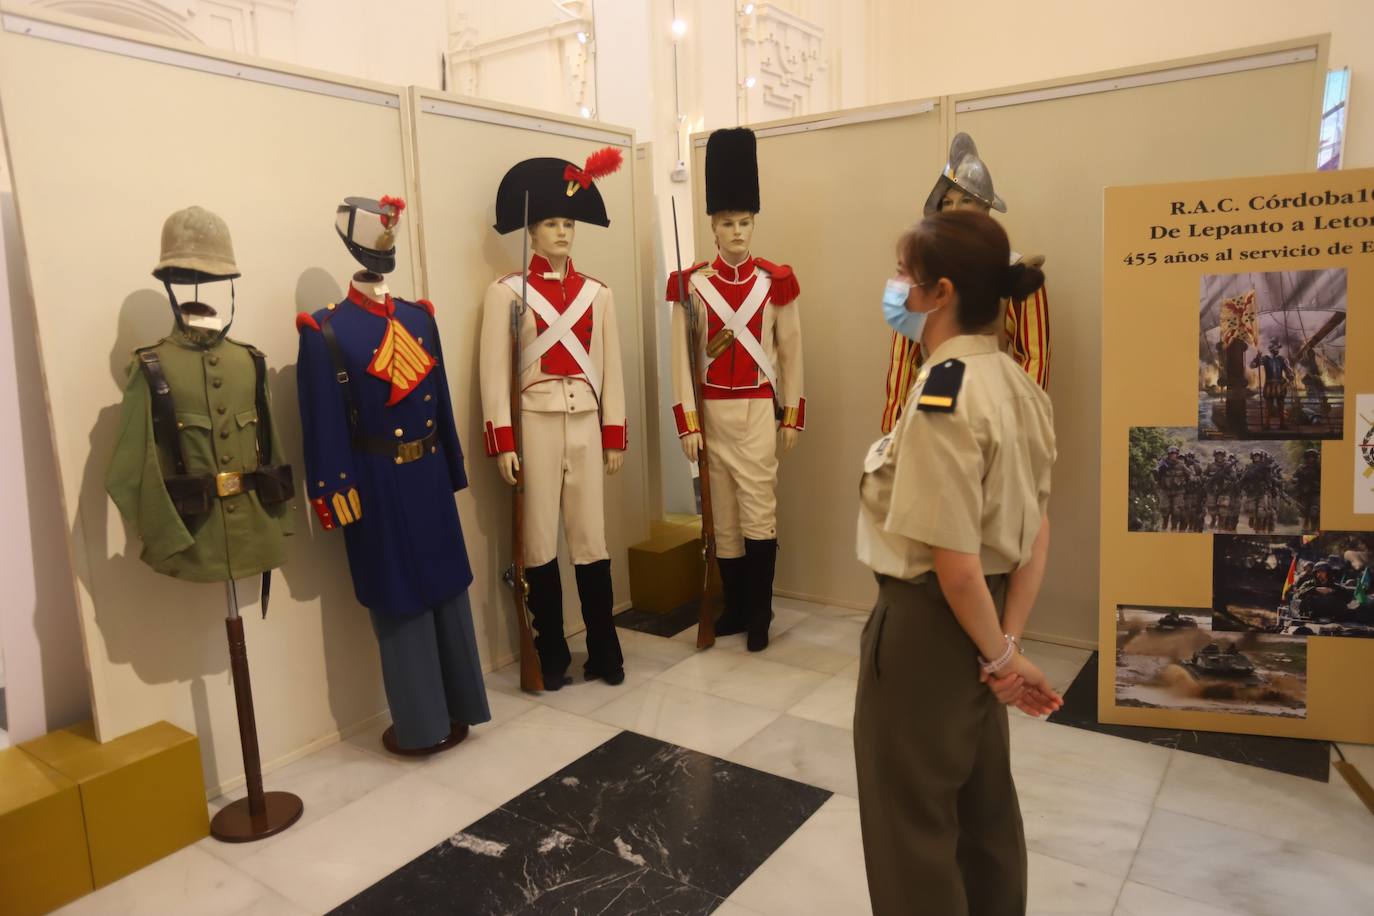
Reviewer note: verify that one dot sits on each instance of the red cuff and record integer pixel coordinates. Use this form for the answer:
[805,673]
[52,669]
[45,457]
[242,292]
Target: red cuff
[616,437]
[795,417]
[687,421]
[337,509]
[498,439]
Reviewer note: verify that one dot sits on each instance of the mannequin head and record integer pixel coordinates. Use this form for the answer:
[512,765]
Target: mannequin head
[552,238]
[734,232]
[957,199]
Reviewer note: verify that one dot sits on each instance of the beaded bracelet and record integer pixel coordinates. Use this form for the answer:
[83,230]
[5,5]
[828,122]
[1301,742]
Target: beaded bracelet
[1003,660]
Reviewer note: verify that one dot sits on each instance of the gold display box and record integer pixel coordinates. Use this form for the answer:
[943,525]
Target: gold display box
[142,795]
[666,570]
[43,859]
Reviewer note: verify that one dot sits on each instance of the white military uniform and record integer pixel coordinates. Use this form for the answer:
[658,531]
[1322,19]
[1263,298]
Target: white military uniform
[572,405]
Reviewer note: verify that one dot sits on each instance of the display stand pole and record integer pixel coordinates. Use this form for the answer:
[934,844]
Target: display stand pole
[261,814]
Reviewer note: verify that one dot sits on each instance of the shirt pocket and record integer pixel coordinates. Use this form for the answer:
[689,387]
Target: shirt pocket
[194,432]
[247,422]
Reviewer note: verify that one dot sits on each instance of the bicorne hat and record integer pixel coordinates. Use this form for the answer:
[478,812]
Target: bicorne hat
[556,188]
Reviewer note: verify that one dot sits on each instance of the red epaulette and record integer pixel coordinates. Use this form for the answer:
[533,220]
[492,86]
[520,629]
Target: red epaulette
[672,294]
[785,286]
[306,320]
[426,305]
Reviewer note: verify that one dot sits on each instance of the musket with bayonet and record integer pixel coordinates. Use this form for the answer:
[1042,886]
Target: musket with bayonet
[710,586]
[531,676]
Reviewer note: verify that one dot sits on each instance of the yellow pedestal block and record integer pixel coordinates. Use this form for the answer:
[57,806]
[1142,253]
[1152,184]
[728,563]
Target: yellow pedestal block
[666,570]
[143,795]
[43,860]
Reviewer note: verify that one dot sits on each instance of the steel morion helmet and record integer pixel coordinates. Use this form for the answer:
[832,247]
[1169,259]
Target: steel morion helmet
[967,172]
[196,248]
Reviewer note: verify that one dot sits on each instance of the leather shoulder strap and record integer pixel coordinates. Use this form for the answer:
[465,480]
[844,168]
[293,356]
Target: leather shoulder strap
[164,408]
[336,357]
[264,412]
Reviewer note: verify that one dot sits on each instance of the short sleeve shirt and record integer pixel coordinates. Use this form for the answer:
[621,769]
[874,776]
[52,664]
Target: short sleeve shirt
[974,480]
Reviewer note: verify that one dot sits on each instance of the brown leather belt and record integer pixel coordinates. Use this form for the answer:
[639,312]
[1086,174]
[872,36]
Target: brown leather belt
[400,452]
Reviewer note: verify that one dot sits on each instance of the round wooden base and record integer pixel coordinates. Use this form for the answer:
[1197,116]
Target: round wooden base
[455,737]
[234,823]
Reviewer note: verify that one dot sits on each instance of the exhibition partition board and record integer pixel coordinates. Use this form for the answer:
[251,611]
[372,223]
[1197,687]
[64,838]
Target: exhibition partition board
[852,186]
[462,148]
[1245,603]
[1051,148]
[835,192]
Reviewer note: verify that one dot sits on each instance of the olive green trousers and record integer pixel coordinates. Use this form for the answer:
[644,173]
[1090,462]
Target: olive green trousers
[941,823]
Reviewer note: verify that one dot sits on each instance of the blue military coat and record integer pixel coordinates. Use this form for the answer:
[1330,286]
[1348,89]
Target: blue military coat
[389,480]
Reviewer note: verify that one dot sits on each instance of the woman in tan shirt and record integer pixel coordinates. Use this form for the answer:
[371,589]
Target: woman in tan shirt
[952,521]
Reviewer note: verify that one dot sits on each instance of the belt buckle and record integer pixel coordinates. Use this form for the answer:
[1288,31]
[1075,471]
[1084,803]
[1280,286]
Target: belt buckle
[229,483]
[407,452]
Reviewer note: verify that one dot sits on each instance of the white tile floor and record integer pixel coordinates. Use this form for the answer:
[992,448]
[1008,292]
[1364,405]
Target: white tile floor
[1114,826]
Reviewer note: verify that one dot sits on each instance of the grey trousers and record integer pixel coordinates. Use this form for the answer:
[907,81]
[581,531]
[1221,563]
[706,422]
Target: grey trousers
[941,824]
[431,671]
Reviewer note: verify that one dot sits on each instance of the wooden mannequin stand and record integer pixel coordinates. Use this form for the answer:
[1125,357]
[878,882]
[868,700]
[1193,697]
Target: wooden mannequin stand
[261,814]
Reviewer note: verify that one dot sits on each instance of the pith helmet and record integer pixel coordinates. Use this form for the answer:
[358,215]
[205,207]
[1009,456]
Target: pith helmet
[196,248]
[556,188]
[967,172]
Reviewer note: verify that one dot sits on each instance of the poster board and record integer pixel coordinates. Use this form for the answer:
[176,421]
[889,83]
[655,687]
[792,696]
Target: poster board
[833,210]
[1227,268]
[462,148]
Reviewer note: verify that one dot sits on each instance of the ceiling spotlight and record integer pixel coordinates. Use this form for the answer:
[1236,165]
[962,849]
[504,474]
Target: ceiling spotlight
[748,9]
[679,28]
[750,82]
[586,112]
[582,37]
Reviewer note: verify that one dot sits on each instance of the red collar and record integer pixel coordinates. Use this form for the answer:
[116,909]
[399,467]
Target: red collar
[539,265]
[729,274]
[366,303]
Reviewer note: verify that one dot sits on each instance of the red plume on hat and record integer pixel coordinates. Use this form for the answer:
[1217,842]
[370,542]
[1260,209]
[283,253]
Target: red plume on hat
[598,165]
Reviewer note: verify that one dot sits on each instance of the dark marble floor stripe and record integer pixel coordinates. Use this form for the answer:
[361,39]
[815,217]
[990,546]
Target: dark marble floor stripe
[636,826]
[1295,756]
[669,624]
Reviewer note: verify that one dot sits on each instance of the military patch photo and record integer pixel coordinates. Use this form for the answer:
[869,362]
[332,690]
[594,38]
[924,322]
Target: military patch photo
[1177,483]
[1271,355]
[1310,585]
[1170,658]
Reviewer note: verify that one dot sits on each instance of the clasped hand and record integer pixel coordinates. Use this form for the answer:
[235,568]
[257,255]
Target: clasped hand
[1023,685]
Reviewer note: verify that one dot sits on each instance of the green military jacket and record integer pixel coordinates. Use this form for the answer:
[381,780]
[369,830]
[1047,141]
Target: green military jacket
[214,388]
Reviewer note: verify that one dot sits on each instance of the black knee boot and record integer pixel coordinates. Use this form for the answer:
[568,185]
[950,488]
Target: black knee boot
[545,602]
[734,579]
[603,646]
[761,557]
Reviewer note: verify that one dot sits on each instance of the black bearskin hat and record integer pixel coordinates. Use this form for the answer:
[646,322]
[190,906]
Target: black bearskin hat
[556,188]
[732,171]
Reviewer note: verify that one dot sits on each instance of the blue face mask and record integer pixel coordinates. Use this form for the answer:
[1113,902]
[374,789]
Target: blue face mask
[895,313]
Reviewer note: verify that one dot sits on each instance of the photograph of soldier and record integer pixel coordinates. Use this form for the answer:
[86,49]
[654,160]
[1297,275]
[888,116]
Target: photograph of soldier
[1171,658]
[1250,487]
[1271,355]
[749,345]
[1310,585]
[383,462]
[1024,332]
[572,403]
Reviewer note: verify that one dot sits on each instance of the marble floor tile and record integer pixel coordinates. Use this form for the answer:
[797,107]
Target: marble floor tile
[505,864]
[1080,823]
[189,882]
[833,633]
[1130,768]
[579,698]
[832,703]
[706,723]
[1141,900]
[820,869]
[785,616]
[1248,872]
[851,670]
[325,781]
[334,858]
[498,765]
[854,614]
[1038,648]
[747,678]
[1324,815]
[1059,888]
[701,820]
[272,904]
[797,651]
[809,752]
[503,706]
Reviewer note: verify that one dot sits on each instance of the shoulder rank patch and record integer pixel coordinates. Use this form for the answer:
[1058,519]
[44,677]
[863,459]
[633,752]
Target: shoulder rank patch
[941,389]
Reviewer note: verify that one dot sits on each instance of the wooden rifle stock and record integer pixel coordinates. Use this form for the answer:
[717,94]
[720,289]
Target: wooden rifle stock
[531,675]
[710,586]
